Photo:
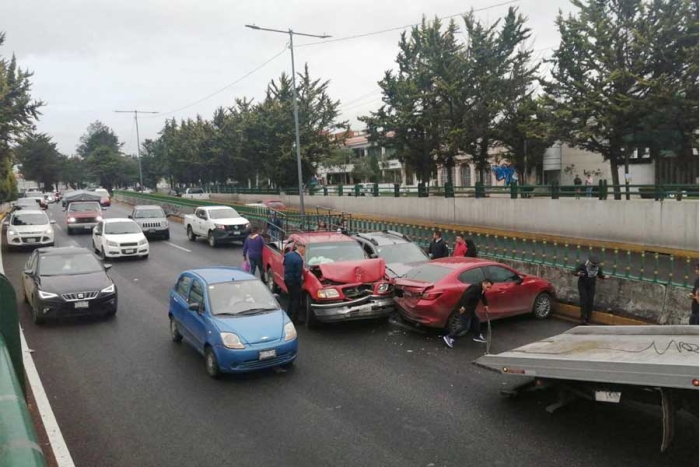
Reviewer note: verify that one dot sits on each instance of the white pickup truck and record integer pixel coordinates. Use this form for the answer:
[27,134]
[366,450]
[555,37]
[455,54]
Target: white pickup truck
[218,224]
[195,193]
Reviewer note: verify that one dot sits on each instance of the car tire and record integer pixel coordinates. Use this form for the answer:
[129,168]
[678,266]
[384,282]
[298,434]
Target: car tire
[174,331]
[94,248]
[270,280]
[309,316]
[36,317]
[454,323]
[111,314]
[69,231]
[24,293]
[288,365]
[211,364]
[190,235]
[103,255]
[144,257]
[211,240]
[543,305]
[167,235]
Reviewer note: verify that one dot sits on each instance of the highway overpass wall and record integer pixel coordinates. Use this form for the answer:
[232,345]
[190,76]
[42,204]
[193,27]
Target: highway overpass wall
[666,224]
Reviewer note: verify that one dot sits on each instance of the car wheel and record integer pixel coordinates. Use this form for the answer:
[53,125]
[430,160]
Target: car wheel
[144,256]
[270,279]
[94,248]
[111,314]
[36,317]
[103,255]
[211,239]
[309,317]
[211,364]
[542,307]
[190,235]
[454,323]
[167,235]
[288,365]
[69,230]
[24,293]
[174,332]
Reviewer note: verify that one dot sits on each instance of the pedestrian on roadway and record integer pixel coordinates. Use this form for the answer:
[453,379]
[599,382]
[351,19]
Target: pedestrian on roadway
[589,186]
[460,247]
[293,279]
[468,319]
[694,297]
[577,185]
[471,248]
[588,273]
[438,247]
[253,250]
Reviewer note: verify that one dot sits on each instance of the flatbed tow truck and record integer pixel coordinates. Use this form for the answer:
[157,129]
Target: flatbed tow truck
[648,364]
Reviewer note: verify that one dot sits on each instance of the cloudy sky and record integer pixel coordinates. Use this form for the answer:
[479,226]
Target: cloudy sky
[92,57]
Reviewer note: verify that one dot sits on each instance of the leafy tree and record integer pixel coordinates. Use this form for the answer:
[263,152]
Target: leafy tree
[99,151]
[98,135]
[73,172]
[40,159]
[366,169]
[17,112]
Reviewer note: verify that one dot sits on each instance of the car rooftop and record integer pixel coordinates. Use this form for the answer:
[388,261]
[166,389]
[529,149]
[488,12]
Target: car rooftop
[217,275]
[322,237]
[63,250]
[383,238]
[29,211]
[454,262]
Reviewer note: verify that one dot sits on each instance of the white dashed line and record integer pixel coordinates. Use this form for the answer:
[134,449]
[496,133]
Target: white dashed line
[178,247]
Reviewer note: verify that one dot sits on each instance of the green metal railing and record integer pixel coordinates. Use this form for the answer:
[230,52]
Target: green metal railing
[18,441]
[602,191]
[631,263]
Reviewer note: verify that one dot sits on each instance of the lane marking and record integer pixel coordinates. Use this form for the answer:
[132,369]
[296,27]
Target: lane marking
[178,247]
[53,431]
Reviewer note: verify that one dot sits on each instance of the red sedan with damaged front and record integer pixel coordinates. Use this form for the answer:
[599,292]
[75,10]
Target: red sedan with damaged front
[428,294]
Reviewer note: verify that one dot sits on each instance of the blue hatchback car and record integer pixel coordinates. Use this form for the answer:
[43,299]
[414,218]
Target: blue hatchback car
[232,319]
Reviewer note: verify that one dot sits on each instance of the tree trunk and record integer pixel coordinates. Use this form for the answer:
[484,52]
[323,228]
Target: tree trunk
[615,176]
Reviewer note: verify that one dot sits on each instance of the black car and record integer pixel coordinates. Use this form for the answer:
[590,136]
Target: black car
[397,250]
[69,281]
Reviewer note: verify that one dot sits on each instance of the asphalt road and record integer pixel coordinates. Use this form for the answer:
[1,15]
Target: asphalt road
[372,394]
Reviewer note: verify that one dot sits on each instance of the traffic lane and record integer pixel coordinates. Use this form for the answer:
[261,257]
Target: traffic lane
[378,386]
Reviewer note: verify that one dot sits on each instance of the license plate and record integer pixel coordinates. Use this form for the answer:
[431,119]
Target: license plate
[82,304]
[266,354]
[129,252]
[86,227]
[364,309]
[30,240]
[151,230]
[608,396]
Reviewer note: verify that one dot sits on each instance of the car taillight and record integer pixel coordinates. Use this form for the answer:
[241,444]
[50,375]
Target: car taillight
[430,295]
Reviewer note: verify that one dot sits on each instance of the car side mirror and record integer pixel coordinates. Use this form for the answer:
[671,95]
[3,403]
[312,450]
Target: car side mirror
[518,280]
[53,221]
[194,307]
[107,267]
[28,272]
[373,255]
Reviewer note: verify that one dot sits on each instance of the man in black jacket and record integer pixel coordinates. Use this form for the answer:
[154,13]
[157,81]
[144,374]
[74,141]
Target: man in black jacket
[468,318]
[587,274]
[438,247]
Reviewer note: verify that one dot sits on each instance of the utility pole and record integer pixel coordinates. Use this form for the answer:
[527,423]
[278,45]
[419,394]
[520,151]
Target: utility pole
[138,140]
[296,106]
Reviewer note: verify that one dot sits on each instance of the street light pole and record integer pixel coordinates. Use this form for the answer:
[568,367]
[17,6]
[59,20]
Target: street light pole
[138,140]
[296,105]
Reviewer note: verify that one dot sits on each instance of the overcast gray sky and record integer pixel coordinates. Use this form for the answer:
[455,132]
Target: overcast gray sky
[91,57]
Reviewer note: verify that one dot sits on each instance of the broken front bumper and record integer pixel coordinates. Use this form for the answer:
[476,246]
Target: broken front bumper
[370,307]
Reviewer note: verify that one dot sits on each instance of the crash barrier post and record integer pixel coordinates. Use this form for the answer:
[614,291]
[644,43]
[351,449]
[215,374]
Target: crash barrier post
[514,190]
[375,189]
[422,190]
[555,190]
[357,190]
[397,190]
[325,191]
[449,190]
[18,440]
[479,192]
[673,267]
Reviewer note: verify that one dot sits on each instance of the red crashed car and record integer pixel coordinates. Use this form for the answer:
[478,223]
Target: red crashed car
[275,204]
[428,294]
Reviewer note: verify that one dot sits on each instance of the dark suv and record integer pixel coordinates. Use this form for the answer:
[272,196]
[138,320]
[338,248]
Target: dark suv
[397,250]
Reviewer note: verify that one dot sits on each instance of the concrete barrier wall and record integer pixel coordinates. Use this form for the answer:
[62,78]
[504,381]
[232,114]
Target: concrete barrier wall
[667,224]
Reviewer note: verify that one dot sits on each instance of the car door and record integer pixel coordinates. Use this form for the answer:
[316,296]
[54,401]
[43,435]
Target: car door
[202,222]
[29,276]
[179,307]
[97,236]
[506,293]
[195,320]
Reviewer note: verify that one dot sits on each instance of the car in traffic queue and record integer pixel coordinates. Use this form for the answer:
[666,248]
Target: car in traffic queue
[30,228]
[105,199]
[397,249]
[231,318]
[39,199]
[428,294]
[20,204]
[66,282]
[218,224]
[152,220]
[275,204]
[339,282]
[82,216]
[119,238]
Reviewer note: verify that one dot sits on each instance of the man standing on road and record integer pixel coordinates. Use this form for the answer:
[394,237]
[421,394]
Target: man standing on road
[438,247]
[468,318]
[694,298]
[460,247]
[253,250]
[587,274]
[293,277]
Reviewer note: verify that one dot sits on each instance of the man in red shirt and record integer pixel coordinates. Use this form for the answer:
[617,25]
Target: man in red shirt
[460,247]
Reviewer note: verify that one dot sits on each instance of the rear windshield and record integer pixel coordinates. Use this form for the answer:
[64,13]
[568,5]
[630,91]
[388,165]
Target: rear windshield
[84,207]
[427,273]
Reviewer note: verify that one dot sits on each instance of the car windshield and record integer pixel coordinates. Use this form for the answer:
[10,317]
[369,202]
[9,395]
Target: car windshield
[149,214]
[84,207]
[228,213]
[68,264]
[240,297]
[427,273]
[402,253]
[321,253]
[123,227]
[30,219]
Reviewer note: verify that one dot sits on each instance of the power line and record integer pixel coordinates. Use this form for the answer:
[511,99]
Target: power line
[399,28]
[222,89]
